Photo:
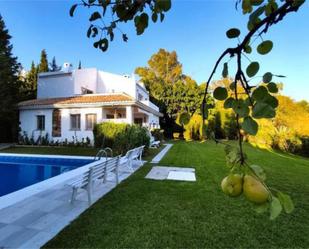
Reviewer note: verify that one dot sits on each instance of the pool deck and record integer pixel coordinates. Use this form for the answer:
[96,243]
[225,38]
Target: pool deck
[35,220]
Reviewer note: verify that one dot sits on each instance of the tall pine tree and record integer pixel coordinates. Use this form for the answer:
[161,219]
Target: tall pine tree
[30,85]
[43,66]
[9,87]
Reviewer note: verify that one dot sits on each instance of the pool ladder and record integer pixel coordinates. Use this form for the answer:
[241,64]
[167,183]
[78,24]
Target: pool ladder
[103,152]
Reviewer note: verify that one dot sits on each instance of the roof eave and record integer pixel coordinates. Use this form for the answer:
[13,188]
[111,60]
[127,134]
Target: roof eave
[93,105]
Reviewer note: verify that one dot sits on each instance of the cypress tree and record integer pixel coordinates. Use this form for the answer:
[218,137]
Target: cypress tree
[43,66]
[9,87]
[31,81]
[53,65]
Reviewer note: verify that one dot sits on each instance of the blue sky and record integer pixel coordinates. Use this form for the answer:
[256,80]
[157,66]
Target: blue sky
[195,29]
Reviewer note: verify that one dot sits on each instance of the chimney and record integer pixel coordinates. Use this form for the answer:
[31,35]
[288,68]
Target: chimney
[67,67]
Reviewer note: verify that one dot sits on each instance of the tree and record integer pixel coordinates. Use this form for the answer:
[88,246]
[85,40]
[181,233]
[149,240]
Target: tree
[79,65]
[43,66]
[30,84]
[9,87]
[219,133]
[169,88]
[53,65]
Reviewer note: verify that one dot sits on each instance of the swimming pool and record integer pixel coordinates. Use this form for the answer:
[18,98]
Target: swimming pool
[18,172]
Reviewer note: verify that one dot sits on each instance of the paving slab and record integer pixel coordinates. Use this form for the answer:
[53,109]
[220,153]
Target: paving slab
[162,173]
[32,222]
[181,176]
[162,153]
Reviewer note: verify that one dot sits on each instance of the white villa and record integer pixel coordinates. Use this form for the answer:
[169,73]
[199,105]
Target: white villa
[70,102]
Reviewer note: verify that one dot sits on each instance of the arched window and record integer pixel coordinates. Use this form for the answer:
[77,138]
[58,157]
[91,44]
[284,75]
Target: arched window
[56,123]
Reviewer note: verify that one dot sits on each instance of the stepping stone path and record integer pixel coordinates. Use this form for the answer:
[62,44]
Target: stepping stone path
[172,173]
[162,153]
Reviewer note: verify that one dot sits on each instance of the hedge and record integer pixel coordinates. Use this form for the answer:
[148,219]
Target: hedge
[120,137]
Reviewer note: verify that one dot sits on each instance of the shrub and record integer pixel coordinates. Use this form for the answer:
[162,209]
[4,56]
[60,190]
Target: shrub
[158,134]
[304,150]
[120,137]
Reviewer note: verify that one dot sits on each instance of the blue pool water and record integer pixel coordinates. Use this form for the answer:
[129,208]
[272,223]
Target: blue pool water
[19,172]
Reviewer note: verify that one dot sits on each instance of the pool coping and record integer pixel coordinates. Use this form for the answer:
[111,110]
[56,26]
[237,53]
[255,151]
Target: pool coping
[19,195]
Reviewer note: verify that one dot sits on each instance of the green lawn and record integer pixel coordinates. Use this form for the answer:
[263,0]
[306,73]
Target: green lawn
[76,151]
[143,213]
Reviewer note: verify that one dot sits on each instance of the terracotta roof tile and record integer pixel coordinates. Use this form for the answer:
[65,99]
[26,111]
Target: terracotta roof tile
[78,100]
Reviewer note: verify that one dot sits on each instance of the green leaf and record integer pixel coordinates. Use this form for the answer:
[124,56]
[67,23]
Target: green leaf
[94,32]
[265,47]
[232,156]
[256,2]
[272,87]
[95,15]
[89,30]
[220,93]
[164,5]
[271,7]
[263,110]
[225,70]
[259,93]
[154,17]
[271,100]
[298,3]
[246,6]
[262,208]
[72,9]
[125,37]
[233,85]
[228,103]
[101,44]
[259,171]
[286,202]
[251,23]
[248,49]
[275,208]
[253,68]
[161,17]
[239,106]
[233,33]
[227,149]
[259,11]
[250,126]
[267,77]
[141,23]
